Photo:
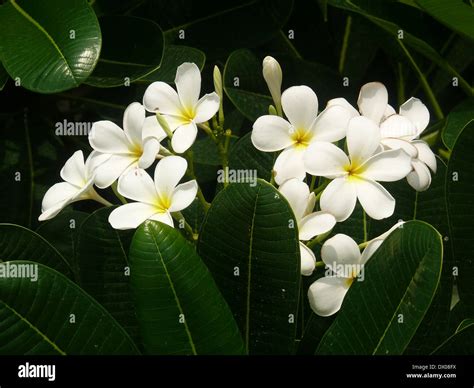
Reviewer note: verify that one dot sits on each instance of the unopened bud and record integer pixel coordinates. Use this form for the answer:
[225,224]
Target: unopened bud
[273,77]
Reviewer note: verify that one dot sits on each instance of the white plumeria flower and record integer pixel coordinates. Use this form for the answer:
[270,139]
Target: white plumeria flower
[78,185]
[342,256]
[303,128]
[309,224]
[182,110]
[273,77]
[137,145]
[355,177]
[156,199]
[397,130]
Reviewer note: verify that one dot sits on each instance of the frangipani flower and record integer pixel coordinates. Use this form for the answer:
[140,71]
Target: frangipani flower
[303,128]
[135,146]
[309,224]
[182,110]
[397,130]
[77,186]
[355,177]
[342,255]
[156,199]
[273,77]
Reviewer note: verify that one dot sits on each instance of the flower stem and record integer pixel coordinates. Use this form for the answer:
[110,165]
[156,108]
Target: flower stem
[189,157]
[313,182]
[318,239]
[117,194]
[178,216]
[320,188]
[320,264]
[205,127]
[225,155]
[97,197]
[364,220]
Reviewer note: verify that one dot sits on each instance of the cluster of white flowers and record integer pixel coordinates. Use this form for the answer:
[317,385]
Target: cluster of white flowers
[120,156]
[382,146]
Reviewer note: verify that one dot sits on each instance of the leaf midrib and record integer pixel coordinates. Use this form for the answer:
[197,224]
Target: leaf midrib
[34,328]
[28,17]
[178,303]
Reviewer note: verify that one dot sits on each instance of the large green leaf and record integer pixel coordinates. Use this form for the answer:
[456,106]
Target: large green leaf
[174,56]
[55,316]
[249,245]
[62,232]
[49,45]
[3,77]
[103,266]
[460,203]
[457,120]
[20,243]
[455,14]
[460,343]
[381,314]
[132,48]
[409,39]
[179,307]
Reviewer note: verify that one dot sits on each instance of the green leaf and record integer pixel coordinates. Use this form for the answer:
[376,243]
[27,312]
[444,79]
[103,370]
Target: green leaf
[3,77]
[173,57]
[460,343]
[457,120]
[454,14]
[50,45]
[104,268]
[19,243]
[62,232]
[400,281]
[179,307]
[252,251]
[129,52]
[464,324]
[460,203]
[244,156]
[409,39]
[36,318]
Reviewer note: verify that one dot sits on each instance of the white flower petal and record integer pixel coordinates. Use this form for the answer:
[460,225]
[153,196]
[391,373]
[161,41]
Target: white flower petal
[271,133]
[58,193]
[398,127]
[151,147]
[315,224]
[417,113]
[308,260]
[311,203]
[339,198]
[109,171]
[289,164]
[331,124]
[160,97]
[325,159]
[131,215]
[133,119]
[183,196]
[420,177]
[327,294]
[425,154]
[345,104]
[168,173]
[363,139]
[74,170]
[297,194]
[370,249]
[136,184]
[394,144]
[206,107]
[388,112]
[164,218]
[184,137]
[152,129]
[300,105]
[376,201]
[373,100]
[387,166]
[341,253]
[188,83]
[107,137]
[94,160]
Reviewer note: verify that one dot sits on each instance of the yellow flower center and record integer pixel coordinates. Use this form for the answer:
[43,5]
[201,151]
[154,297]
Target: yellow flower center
[353,170]
[163,203]
[301,137]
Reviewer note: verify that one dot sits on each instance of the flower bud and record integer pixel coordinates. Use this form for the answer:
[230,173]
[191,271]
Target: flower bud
[218,82]
[273,77]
